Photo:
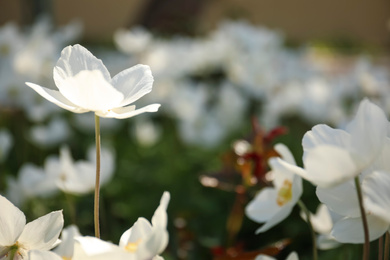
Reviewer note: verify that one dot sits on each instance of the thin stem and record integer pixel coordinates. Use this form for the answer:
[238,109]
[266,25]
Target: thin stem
[387,241]
[380,248]
[366,248]
[97,183]
[313,235]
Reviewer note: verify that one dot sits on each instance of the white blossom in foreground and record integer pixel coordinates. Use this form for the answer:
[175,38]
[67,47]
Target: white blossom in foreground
[291,256]
[143,241]
[272,205]
[17,238]
[84,84]
[333,156]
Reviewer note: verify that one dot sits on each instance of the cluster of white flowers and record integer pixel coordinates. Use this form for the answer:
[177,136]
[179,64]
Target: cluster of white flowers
[60,173]
[207,83]
[252,65]
[337,162]
[32,241]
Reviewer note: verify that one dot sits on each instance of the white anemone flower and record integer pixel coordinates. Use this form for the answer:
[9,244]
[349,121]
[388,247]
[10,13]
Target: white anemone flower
[17,238]
[291,256]
[84,84]
[272,205]
[143,241]
[334,156]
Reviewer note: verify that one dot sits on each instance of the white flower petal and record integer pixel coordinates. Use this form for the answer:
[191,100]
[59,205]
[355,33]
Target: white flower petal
[75,59]
[277,218]
[285,153]
[368,131]
[350,230]
[12,222]
[377,194]
[92,246]
[89,90]
[325,242]
[42,255]
[341,199]
[141,229]
[263,206]
[264,257]
[43,232]
[154,245]
[129,111]
[57,98]
[292,256]
[133,83]
[322,221]
[328,166]
[66,247]
[325,135]
[160,217]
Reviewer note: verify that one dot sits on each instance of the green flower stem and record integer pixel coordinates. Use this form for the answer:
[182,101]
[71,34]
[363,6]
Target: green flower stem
[97,183]
[387,241]
[313,235]
[366,248]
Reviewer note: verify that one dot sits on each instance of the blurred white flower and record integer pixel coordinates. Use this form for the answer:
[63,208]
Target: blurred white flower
[84,84]
[55,132]
[146,131]
[272,205]
[143,241]
[60,173]
[132,41]
[79,177]
[17,238]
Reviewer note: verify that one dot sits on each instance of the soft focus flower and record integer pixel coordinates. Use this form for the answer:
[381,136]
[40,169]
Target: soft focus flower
[291,256]
[143,241]
[272,205]
[55,132]
[84,84]
[61,173]
[17,238]
[374,183]
[333,156]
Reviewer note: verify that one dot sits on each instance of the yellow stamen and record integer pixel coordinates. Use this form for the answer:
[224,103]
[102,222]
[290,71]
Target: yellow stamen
[132,246]
[284,193]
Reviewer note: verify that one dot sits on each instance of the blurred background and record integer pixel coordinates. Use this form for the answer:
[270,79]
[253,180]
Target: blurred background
[229,74]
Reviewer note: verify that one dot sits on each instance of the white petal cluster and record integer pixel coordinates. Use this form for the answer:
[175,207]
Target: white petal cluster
[272,205]
[61,173]
[333,158]
[84,84]
[19,240]
[143,241]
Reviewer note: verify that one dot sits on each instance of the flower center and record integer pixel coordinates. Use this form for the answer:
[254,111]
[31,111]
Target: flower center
[284,193]
[132,246]
[66,258]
